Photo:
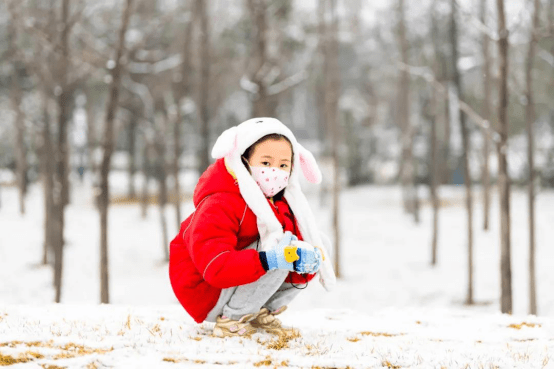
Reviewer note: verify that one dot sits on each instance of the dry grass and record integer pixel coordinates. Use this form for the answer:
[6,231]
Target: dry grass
[92,365]
[50,366]
[154,331]
[353,339]
[69,350]
[72,350]
[16,343]
[7,360]
[266,362]
[519,326]
[389,365]
[373,334]
[175,361]
[281,342]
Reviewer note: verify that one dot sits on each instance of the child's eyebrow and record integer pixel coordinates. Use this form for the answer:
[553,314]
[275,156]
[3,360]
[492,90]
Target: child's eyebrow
[267,156]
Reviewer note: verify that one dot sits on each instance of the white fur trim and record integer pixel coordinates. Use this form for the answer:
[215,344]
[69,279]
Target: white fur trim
[310,232]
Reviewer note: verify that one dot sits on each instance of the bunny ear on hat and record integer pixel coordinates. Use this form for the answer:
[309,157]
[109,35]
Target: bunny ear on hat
[309,166]
[226,143]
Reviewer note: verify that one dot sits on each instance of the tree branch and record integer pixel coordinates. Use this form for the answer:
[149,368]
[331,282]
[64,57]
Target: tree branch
[426,74]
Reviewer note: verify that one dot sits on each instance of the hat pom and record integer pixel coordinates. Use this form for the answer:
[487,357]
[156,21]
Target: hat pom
[308,165]
[226,143]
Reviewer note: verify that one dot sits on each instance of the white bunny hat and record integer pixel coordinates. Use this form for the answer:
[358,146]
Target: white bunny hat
[232,143]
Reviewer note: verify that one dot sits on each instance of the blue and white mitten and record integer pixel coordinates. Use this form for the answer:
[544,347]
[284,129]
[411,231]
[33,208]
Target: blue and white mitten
[309,258]
[282,256]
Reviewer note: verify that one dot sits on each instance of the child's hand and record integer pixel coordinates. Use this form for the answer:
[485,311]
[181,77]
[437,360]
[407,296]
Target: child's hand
[284,254]
[309,258]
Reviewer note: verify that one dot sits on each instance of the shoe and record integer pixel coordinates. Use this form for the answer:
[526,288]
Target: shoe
[226,327]
[266,320]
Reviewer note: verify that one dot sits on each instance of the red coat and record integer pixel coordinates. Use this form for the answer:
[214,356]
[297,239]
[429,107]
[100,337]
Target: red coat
[207,255]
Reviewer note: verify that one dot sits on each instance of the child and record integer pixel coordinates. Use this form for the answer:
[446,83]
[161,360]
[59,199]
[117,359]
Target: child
[239,259]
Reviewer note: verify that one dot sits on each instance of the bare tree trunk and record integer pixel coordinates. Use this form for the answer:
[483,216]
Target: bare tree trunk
[204,155]
[108,145]
[321,97]
[332,91]
[47,173]
[530,118]
[146,175]
[92,141]
[177,152]
[183,90]
[445,148]
[465,143]
[132,155]
[161,176]
[261,105]
[437,117]
[434,176]
[323,127]
[486,115]
[503,179]
[20,152]
[16,97]
[61,183]
[407,165]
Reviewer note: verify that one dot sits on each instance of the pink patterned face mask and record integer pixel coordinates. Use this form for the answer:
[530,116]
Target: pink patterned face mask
[271,180]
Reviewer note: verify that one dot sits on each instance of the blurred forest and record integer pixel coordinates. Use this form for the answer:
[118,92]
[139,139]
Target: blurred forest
[417,93]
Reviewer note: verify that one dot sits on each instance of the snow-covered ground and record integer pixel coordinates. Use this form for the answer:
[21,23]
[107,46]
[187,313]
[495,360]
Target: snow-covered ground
[387,288]
[162,337]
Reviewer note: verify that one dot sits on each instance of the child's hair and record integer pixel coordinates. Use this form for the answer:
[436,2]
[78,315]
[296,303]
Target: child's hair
[248,153]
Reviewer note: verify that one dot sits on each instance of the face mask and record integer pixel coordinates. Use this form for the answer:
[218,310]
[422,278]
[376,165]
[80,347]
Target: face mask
[271,180]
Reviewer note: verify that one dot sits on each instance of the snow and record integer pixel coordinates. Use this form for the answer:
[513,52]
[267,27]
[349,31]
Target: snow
[389,308]
[162,337]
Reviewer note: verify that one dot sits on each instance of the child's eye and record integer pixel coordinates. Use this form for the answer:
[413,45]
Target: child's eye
[265,163]
[284,166]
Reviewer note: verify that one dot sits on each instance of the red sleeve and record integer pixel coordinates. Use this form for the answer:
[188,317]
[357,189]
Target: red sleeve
[212,238]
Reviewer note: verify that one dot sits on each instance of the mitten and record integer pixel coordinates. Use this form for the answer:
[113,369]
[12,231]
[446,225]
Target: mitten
[283,255]
[309,258]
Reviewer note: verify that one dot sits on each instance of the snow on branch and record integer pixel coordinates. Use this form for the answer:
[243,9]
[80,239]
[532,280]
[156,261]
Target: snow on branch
[426,74]
[478,24]
[248,85]
[287,83]
[143,93]
[547,57]
[157,67]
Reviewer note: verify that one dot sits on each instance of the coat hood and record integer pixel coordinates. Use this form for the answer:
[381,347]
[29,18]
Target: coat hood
[215,179]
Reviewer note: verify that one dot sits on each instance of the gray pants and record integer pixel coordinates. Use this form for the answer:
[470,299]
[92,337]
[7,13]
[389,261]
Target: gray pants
[269,291]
